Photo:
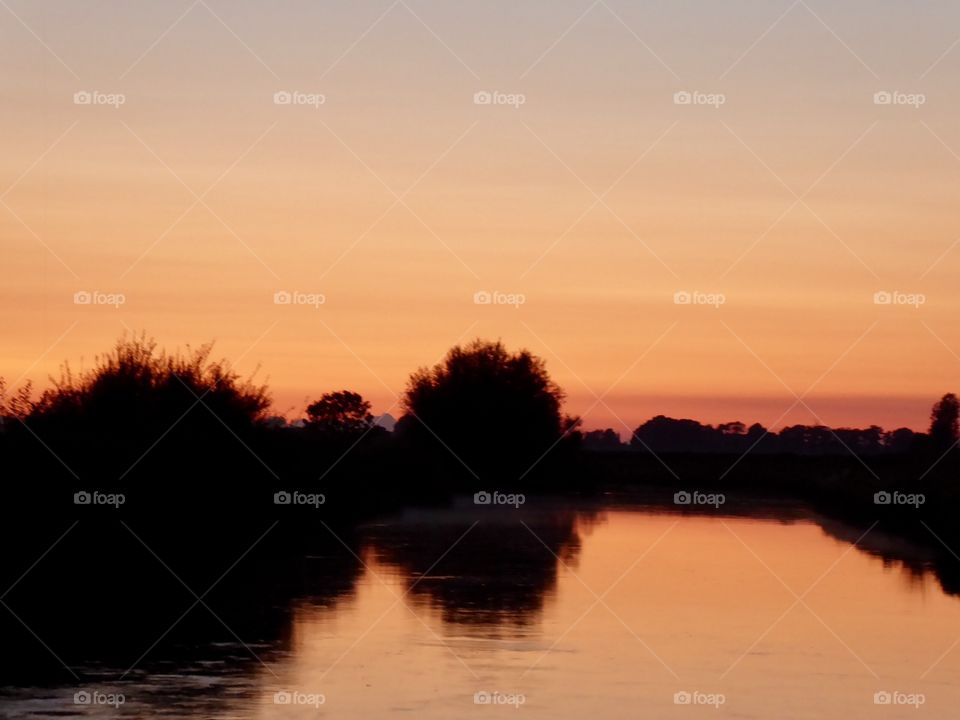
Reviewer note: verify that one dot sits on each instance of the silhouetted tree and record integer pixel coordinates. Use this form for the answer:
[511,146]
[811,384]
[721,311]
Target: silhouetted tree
[758,439]
[340,413]
[944,422]
[867,441]
[494,410]
[901,440]
[607,439]
[732,428]
[664,434]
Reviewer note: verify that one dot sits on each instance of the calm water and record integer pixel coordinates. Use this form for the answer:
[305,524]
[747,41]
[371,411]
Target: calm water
[553,613]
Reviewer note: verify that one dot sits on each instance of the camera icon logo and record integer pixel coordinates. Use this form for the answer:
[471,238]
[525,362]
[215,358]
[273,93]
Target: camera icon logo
[282,697]
[482,498]
[882,498]
[82,97]
[482,98]
[282,297]
[682,98]
[682,698]
[82,297]
[482,297]
[882,297]
[882,98]
[682,297]
[282,97]
[82,698]
[282,498]
[82,498]
[682,498]
[482,697]
[882,698]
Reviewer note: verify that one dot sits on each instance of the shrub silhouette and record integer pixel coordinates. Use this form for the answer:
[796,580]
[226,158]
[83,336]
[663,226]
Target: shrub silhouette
[495,411]
[137,384]
[135,395]
[15,405]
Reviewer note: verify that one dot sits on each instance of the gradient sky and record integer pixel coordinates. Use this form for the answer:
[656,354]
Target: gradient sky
[399,198]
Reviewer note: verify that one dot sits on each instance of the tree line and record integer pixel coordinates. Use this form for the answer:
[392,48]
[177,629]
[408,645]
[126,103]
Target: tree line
[663,434]
[483,409]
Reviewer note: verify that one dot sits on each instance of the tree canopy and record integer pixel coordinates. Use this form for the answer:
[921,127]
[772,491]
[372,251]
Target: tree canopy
[492,409]
[340,413]
[944,422]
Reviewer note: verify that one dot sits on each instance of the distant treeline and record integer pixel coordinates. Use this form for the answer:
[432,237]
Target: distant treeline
[663,434]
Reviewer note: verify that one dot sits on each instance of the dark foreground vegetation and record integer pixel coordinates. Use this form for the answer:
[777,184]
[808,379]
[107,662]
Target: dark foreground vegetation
[187,432]
[158,471]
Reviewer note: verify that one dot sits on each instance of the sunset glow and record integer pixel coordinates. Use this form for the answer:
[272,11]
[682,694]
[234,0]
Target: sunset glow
[586,188]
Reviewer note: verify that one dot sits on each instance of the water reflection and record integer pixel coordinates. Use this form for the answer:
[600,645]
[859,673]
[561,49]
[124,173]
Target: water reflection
[112,599]
[419,611]
[915,561]
[493,568]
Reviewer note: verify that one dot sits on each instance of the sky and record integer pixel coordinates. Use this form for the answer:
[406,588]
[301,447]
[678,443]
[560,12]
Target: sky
[741,210]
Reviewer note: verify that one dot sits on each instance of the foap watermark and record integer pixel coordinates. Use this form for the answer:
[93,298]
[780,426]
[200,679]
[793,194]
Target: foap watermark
[296,497]
[895,97]
[498,498]
[295,297]
[895,697]
[895,297]
[495,97]
[96,497]
[695,697]
[495,297]
[97,697]
[95,97]
[899,498]
[695,97]
[683,297]
[296,97]
[494,697]
[683,497]
[294,697]
[95,297]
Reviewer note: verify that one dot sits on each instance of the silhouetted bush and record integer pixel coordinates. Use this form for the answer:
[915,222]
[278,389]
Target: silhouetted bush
[137,385]
[138,401]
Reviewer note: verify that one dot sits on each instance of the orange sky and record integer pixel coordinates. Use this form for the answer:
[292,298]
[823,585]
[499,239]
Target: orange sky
[597,199]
